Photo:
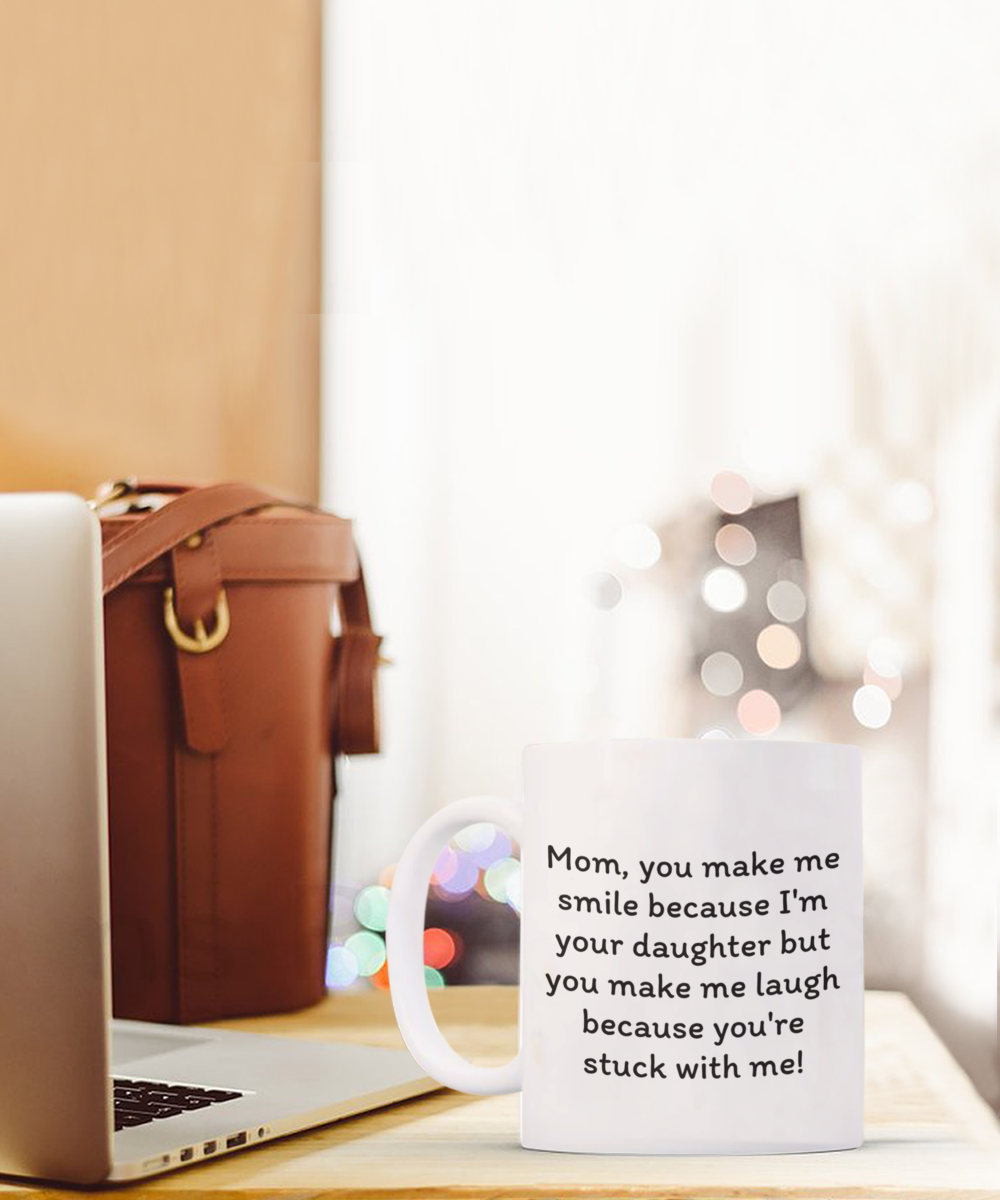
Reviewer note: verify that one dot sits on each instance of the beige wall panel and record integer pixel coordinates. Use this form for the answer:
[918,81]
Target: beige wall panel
[159,241]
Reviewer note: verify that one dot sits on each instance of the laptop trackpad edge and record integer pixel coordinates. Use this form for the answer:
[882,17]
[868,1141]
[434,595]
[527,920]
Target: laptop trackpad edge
[132,1042]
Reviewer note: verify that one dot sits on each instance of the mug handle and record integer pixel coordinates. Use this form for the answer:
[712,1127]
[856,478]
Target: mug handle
[405,947]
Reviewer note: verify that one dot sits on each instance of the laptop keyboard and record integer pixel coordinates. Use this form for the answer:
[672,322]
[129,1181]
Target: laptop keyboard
[139,1101]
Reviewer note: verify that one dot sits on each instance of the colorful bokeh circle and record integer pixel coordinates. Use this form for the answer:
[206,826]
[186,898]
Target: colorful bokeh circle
[368,950]
[433,977]
[341,967]
[439,948]
[371,907]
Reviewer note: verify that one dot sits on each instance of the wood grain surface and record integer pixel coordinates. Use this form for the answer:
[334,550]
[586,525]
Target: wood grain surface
[928,1135]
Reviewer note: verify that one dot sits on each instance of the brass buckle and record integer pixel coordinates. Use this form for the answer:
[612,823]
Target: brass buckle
[111,490]
[202,642]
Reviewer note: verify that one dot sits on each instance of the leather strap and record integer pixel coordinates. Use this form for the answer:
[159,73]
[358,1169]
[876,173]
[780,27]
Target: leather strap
[355,711]
[188,513]
[197,584]
[279,545]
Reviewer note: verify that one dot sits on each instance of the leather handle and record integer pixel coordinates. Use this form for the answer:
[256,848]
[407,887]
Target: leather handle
[188,513]
[355,717]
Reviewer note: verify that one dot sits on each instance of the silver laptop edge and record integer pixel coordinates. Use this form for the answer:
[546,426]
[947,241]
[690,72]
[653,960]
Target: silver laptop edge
[56,1114]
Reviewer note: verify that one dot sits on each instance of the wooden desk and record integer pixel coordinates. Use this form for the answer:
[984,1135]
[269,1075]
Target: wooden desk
[928,1134]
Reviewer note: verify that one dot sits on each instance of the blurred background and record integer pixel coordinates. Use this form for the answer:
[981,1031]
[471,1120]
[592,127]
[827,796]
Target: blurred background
[654,347]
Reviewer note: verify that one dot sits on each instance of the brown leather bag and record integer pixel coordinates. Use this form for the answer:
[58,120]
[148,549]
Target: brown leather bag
[227,698]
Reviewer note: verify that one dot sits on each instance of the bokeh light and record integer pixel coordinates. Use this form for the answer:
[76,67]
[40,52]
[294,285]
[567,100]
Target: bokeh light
[637,546]
[872,706]
[480,858]
[368,950]
[786,601]
[736,545]
[497,878]
[475,837]
[513,890]
[724,589]
[731,492]
[387,875]
[445,866]
[892,685]
[462,881]
[715,735]
[371,907]
[499,847]
[341,967]
[721,673]
[604,590]
[439,947]
[779,647]
[758,712]
[885,656]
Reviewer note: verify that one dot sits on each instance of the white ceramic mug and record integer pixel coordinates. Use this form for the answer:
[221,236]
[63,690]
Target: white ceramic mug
[691,947]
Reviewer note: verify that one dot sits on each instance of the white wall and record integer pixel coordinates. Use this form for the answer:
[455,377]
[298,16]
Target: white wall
[959,979]
[579,256]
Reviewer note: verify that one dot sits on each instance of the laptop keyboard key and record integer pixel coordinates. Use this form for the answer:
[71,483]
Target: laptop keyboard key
[139,1101]
[148,1109]
[124,1120]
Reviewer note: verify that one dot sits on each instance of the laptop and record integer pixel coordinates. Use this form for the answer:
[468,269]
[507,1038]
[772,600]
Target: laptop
[84,1098]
